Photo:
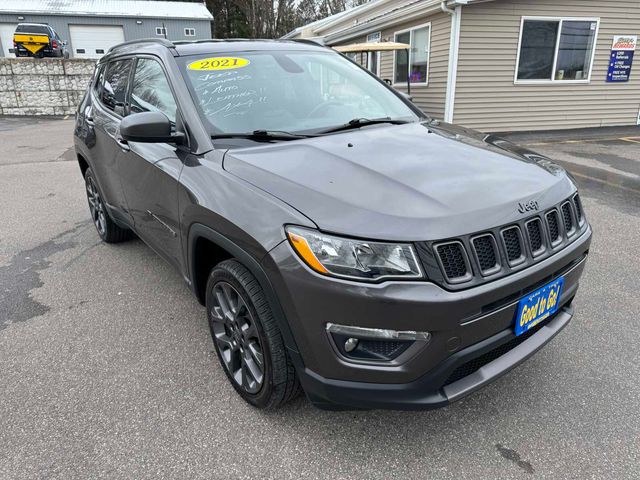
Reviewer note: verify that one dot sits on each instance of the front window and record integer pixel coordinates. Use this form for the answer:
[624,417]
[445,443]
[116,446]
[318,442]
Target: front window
[291,91]
[417,68]
[556,49]
[150,91]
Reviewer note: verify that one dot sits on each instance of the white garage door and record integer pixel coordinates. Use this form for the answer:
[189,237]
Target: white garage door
[6,38]
[93,41]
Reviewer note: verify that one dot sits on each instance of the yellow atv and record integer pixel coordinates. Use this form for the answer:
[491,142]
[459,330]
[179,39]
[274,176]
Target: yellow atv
[38,40]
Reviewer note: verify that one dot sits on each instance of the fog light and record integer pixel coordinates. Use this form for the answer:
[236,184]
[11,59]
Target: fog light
[378,333]
[351,344]
[373,344]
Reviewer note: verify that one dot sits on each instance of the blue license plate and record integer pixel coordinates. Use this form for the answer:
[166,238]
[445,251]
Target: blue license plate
[538,306]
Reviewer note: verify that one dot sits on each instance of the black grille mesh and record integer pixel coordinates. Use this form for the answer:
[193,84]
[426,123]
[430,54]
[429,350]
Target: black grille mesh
[384,348]
[535,235]
[485,252]
[578,203]
[554,229]
[477,363]
[567,218]
[512,243]
[452,259]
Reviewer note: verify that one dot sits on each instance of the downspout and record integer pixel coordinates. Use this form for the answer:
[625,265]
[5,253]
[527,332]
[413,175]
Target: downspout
[452,72]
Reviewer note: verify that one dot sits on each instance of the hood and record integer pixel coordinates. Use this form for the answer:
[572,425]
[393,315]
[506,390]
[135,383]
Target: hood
[403,182]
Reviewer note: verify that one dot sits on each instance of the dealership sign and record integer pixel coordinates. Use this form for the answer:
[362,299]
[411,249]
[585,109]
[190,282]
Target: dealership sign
[621,59]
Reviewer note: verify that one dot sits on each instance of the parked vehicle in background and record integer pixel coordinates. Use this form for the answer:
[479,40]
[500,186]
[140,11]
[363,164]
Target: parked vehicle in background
[341,240]
[38,40]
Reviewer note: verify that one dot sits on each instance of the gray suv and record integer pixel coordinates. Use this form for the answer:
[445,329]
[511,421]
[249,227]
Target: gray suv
[343,243]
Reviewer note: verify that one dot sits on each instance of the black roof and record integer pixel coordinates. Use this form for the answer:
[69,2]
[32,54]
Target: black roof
[215,45]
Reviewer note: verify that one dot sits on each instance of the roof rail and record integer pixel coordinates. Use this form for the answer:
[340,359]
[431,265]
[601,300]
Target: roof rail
[309,41]
[159,41]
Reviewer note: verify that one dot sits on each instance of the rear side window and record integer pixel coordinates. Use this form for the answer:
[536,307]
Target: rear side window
[150,91]
[114,91]
[99,80]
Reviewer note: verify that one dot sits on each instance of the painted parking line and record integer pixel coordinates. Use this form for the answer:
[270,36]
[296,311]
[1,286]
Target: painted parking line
[586,140]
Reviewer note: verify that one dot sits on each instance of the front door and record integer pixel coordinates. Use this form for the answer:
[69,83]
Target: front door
[150,171]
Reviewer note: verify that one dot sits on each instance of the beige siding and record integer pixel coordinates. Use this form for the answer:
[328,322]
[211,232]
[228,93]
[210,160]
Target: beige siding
[431,97]
[488,99]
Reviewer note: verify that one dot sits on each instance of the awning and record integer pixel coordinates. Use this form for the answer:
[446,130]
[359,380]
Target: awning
[378,47]
[372,47]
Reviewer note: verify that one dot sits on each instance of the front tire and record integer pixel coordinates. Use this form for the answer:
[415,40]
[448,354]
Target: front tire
[247,339]
[106,227]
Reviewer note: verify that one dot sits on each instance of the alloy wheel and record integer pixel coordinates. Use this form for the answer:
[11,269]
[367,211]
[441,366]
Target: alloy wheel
[96,207]
[235,333]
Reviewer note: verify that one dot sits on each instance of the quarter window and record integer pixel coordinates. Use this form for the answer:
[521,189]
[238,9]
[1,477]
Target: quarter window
[114,92]
[150,91]
[556,49]
[418,67]
[189,32]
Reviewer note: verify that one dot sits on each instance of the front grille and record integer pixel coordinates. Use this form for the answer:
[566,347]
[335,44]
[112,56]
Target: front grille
[486,254]
[578,204]
[480,257]
[554,227]
[534,231]
[512,244]
[477,363]
[567,218]
[452,258]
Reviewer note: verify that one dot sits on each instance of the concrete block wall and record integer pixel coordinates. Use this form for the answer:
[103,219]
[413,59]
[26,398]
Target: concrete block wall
[43,86]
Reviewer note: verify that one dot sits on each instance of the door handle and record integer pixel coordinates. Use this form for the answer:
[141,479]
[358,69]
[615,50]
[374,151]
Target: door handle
[122,143]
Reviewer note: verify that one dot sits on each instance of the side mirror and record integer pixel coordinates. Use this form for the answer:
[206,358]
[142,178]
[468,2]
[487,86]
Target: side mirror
[149,127]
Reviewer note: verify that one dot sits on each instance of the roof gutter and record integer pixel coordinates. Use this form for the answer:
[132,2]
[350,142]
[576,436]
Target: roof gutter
[454,46]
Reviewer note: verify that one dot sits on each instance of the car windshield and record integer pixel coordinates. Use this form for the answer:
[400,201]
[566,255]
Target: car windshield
[286,91]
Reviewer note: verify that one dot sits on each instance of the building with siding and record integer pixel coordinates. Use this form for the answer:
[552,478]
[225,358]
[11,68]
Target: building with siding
[503,65]
[91,27]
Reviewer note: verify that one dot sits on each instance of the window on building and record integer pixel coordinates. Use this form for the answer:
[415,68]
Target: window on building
[417,67]
[373,62]
[161,31]
[189,32]
[151,91]
[556,49]
[114,91]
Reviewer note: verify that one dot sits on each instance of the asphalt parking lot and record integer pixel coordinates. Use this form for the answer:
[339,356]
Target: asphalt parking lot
[107,369]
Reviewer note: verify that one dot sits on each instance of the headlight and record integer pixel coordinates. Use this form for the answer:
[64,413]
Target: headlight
[355,259]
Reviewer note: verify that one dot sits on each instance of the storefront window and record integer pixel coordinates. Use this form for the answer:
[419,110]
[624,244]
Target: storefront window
[556,50]
[418,38]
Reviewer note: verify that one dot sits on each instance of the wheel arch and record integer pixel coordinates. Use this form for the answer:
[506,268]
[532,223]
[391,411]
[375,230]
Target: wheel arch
[228,249]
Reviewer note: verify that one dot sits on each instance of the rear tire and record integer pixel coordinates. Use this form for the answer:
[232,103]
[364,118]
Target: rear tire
[247,339]
[107,229]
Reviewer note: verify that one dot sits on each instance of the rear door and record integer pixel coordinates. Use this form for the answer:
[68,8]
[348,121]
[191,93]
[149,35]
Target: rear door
[150,171]
[107,110]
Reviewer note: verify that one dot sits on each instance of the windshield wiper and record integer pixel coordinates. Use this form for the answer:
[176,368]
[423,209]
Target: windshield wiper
[264,135]
[363,122]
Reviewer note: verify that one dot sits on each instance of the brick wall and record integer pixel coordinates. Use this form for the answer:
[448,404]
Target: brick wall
[43,86]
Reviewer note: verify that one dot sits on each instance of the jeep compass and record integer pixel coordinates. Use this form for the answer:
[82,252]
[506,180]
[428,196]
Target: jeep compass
[343,242]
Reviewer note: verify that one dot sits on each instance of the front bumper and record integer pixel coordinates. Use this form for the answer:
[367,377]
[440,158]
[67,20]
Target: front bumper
[433,389]
[464,325]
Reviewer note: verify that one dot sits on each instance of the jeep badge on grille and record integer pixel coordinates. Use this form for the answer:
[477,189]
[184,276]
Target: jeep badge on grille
[528,207]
